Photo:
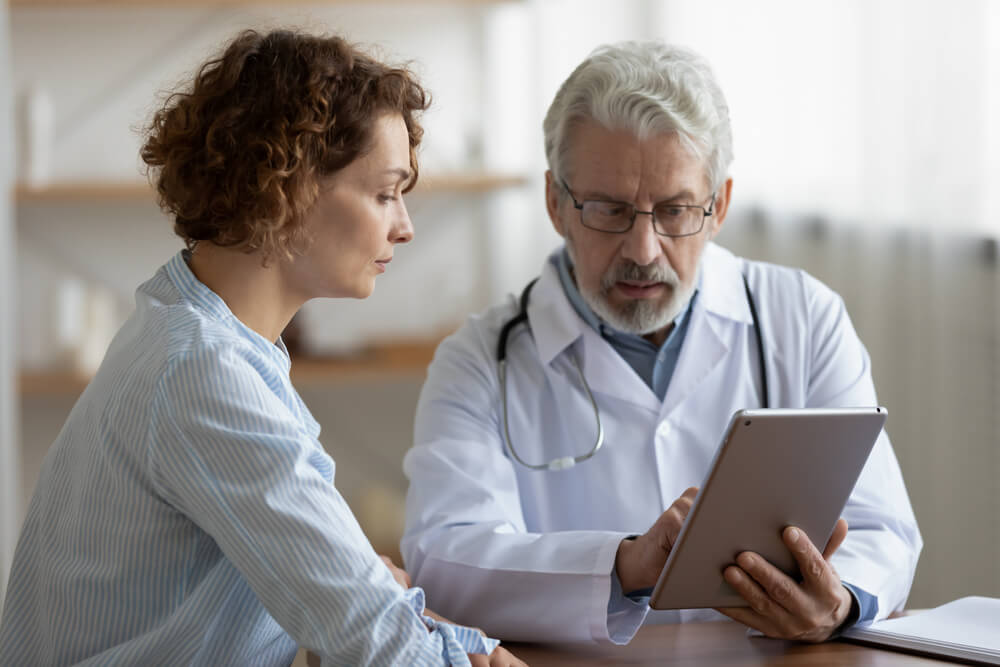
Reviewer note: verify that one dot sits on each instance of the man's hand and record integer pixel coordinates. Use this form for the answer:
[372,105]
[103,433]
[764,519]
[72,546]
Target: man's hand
[398,573]
[500,657]
[783,608]
[639,561]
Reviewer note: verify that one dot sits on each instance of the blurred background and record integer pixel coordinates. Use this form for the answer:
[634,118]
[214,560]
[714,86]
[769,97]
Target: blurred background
[867,152]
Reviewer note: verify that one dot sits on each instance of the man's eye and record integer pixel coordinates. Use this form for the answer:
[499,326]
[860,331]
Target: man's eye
[610,209]
[385,199]
[667,212]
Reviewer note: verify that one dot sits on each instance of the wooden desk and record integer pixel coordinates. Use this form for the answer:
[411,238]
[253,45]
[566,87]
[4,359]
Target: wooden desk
[709,644]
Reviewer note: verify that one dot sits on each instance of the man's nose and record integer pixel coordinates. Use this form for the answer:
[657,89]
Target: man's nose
[642,243]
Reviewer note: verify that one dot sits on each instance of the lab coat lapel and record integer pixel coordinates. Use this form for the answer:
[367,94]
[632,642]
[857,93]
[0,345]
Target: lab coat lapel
[608,373]
[718,312]
[705,346]
[559,331]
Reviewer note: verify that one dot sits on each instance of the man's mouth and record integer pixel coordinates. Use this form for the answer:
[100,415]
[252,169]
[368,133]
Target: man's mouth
[640,289]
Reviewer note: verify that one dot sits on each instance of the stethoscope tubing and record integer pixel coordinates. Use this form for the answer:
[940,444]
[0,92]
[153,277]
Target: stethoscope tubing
[564,462]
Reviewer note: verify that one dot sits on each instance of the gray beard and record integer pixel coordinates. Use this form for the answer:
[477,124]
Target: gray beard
[639,316]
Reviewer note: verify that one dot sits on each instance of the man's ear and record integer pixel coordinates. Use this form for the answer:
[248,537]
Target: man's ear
[722,199]
[552,195]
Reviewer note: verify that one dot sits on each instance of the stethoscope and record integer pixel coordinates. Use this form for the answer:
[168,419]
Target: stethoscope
[565,462]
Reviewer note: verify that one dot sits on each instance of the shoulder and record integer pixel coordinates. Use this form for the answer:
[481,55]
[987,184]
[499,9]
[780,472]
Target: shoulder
[477,337]
[788,287]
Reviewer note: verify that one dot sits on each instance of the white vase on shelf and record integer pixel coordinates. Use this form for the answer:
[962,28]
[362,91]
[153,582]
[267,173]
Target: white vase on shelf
[36,131]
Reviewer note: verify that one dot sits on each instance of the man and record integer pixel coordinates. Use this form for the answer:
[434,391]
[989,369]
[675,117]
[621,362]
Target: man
[642,327]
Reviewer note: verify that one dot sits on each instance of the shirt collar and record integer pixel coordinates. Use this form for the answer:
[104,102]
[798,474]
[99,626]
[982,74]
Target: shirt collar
[557,324]
[199,295]
[563,264]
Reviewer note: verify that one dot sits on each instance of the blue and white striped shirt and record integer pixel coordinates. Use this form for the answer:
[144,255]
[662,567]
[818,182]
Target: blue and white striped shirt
[186,514]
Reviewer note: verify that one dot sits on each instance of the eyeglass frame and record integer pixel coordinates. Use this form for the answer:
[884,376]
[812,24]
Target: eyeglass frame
[705,213]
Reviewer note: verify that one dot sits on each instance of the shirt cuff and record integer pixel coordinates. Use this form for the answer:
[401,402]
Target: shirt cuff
[625,612]
[458,639]
[864,607]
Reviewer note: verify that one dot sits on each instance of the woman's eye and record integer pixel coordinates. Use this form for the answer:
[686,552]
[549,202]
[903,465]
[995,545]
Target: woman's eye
[385,199]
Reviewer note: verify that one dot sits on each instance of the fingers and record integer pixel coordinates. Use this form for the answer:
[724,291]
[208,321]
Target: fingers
[669,525]
[816,572]
[501,657]
[638,562]
[767,590]
[836,539]
[783,607]
[401,576]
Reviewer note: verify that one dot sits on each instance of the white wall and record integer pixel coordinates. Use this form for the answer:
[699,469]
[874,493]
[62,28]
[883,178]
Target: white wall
[9,451]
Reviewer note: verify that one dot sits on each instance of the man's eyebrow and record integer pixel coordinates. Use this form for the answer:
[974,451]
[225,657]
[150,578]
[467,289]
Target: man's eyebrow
[597,194]
[682,195]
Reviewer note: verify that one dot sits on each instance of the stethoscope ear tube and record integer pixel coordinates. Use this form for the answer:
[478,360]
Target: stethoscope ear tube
[760,343]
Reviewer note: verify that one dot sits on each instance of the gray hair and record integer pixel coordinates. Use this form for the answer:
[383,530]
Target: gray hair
[647,88]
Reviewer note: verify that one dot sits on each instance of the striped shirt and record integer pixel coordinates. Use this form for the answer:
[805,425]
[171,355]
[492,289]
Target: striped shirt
[186,515]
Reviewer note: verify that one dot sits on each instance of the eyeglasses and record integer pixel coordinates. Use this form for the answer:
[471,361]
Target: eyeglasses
[617,217]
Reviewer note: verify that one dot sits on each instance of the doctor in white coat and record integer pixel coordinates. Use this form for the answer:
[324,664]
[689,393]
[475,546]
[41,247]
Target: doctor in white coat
[642,328]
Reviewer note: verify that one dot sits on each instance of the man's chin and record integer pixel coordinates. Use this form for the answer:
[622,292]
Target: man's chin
[638,316]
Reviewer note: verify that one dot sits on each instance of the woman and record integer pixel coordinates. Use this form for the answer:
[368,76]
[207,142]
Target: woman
[186,514]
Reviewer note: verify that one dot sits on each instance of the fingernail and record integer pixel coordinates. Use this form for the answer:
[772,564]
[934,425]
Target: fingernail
[793,534]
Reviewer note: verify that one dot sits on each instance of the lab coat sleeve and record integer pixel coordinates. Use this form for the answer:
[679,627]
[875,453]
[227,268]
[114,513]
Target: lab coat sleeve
[883,541]
[466,542]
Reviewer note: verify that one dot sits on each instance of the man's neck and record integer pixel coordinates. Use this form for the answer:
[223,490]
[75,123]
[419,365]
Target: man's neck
[657,337]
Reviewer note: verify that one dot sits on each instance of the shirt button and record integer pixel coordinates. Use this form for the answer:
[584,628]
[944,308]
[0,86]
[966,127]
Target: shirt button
[664,429]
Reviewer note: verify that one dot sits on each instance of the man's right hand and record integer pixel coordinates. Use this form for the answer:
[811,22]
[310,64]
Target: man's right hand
[639,561]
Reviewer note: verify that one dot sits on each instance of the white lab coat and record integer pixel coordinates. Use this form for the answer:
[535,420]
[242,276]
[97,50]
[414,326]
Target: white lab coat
[527,554]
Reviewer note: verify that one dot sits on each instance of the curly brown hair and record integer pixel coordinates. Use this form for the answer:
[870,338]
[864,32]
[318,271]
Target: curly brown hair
[236,157]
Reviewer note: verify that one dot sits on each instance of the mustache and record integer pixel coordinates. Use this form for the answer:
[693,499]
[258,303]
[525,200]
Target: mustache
[629,270]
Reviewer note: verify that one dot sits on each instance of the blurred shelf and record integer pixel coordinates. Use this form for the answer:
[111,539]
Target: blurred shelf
[51,383]
[381,361]
[396,359]
[124,192]
[472,181]
[83,192]
[234,3]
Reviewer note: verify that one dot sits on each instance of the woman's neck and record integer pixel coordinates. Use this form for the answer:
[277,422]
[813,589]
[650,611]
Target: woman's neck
[255,293]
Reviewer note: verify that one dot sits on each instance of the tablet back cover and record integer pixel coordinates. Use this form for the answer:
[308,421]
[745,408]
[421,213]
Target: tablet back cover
[775,468]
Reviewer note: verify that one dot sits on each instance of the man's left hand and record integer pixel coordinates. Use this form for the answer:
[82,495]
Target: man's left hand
[783,608]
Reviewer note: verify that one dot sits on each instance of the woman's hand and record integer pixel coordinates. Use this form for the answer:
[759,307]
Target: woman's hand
[398,573]
[500,657]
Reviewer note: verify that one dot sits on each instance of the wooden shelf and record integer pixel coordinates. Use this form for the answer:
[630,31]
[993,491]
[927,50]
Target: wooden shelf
[77,192]
[124,192]
[51,383]
[63,4]
[381,361]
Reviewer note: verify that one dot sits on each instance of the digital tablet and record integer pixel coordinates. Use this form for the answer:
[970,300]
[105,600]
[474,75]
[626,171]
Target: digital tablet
[774,468]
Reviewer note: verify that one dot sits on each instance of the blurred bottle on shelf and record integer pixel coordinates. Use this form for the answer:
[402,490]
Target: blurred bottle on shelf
[36,129]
